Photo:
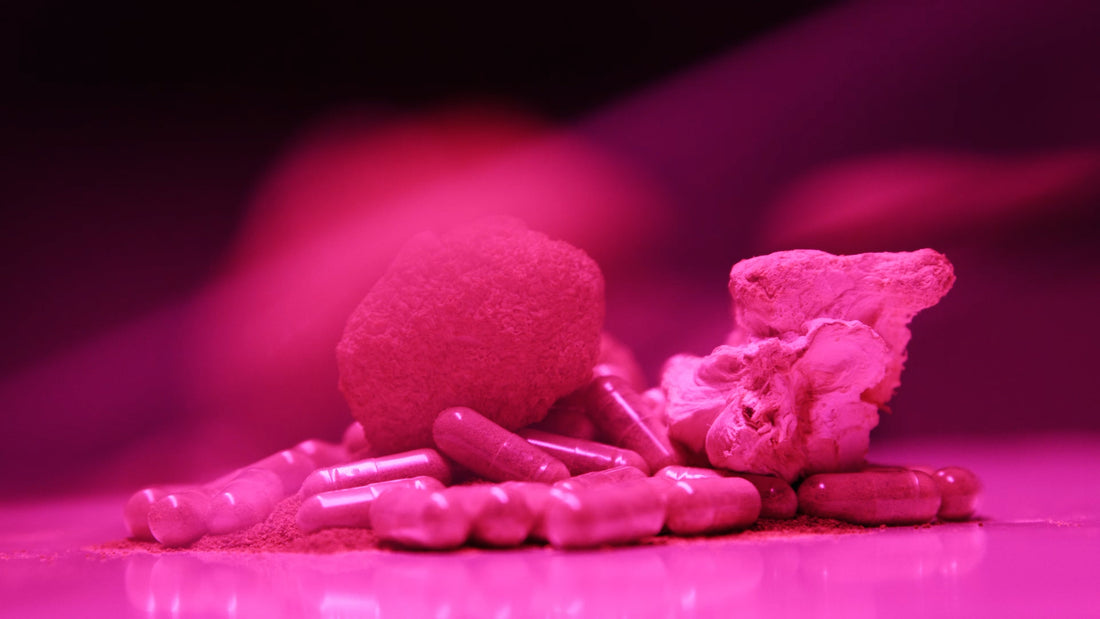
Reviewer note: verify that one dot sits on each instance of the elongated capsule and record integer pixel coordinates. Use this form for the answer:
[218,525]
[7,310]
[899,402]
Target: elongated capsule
[778,500]
[707,505]
[601,478]
[621,415]
[179,518]
[613,514]
[351,507]
[355,438]
[871,497]
[498,516]
[487,449]
[961,490]
[249,498]
[135,515]
[535,495]
[676,472]
[420,519]
[373,470]
[581,456]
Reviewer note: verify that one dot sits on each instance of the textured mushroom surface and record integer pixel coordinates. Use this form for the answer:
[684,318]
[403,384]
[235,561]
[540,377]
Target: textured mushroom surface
[818,347]
[493,316]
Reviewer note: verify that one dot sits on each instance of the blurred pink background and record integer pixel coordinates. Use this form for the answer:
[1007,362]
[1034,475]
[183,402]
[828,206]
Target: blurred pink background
[182,248]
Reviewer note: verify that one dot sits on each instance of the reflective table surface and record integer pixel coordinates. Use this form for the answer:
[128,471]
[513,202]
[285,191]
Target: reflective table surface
[1035,552]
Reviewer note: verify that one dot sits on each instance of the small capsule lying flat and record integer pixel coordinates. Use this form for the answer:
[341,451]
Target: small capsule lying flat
[249,498]
[420,519]
[498,516]
[351,507]
[778,499]
[960,489]
[619,513]
[135,515]
[621,415]
[487,449]
[871,497]
[706,505]
[402,465]
[179,518]
[535,495]
[601,478]
[291,466]
[581,456]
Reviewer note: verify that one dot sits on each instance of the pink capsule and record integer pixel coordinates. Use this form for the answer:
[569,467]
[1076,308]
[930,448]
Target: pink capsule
[355,438]
[676,472]
[291,466]
[351,507]
[601,478]
[135,515]
[607,514]
[179,519]
[871,497]
[420,519]
[581,456]
[960,489]
[535,495]
[621,415]
[490,451]
[249,498]
[706,505]
[373,470]
[322,453]
[569,417]
[778,499]
[499,516]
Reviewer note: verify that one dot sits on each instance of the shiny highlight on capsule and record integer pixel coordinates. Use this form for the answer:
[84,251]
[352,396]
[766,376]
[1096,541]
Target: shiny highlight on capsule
[611,514]
[708,505]
[420,519]
[402,465]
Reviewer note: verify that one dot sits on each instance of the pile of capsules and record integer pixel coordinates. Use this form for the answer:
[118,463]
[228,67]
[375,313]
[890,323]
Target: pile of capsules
[539,487]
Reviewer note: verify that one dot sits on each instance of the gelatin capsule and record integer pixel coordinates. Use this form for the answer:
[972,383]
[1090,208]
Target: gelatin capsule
[498,516]
[871,497]
[581,456]
[373,470]
[420,519]
[621,415]
[322,453]
[135,515]
[355,438]
[247,499]
[291,466]
[351,507]
[705,505]
[179,519]
[535,495]
[960,489]
[676,472]
[607,514]
[601,478]
[778,500]
[569,417]
[490,451]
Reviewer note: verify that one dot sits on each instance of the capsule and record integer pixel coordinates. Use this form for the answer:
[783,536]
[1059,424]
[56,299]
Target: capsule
[707,505]
[676,472]
[960,489]
[135,515]
[355,438]
[612,514]
[535,495]
[490,451]
[179,518]
[499,517]
[249,498]
[569,417]
[581,456]
[420,519]
[871,497]
[777,499]
[351,507]
[601,478]
[621,415]
[373,470]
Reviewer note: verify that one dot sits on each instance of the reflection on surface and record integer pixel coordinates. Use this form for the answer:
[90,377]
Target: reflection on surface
[852,575]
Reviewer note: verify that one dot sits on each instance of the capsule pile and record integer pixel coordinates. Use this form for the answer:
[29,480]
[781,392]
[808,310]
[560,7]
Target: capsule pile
[486,486]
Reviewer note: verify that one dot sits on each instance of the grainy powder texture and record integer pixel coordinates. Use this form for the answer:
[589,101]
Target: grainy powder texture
[493,316]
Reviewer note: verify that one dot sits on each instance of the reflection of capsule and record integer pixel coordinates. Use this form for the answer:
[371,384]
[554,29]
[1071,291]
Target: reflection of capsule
[179,518]
[599,478]
[247,499]
[487,449]
[621,414]
[871,497]
[581,456]
[373,470]
[351,507]
[706,505]
[420,519]
[499,515]
[620,513]
[960,489]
